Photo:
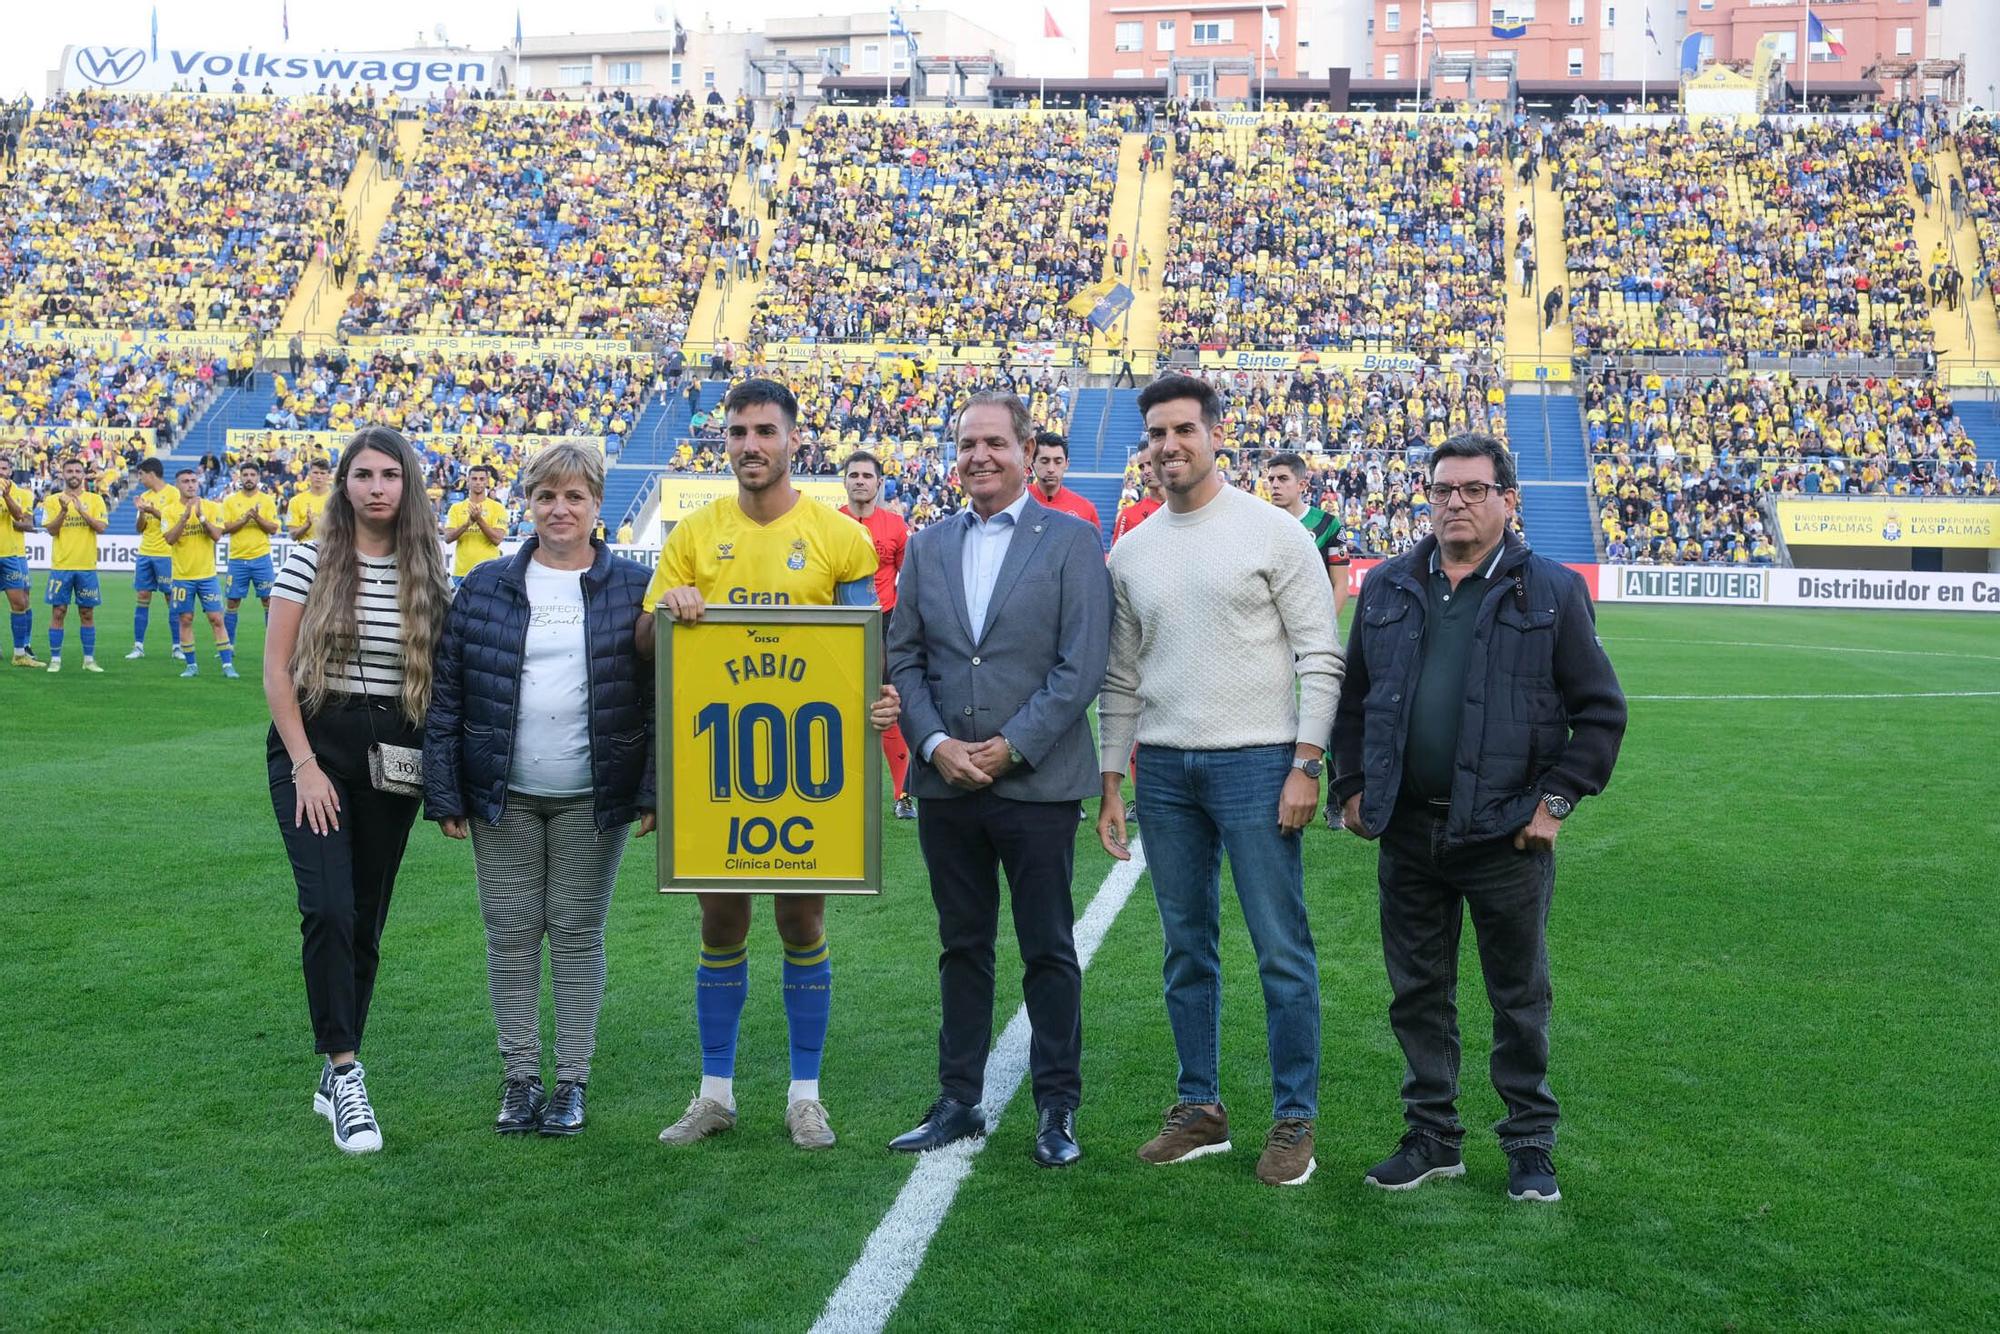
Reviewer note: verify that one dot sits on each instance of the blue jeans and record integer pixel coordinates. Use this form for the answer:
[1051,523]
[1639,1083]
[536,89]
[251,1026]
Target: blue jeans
[1198,804]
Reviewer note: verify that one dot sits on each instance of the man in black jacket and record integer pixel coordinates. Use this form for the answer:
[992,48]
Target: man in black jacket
[1479,709]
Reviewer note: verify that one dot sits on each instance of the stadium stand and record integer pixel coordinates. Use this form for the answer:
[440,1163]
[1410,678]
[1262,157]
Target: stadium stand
[1336,232]
[549,217]
[1742,239]
[132,212]
[952,230]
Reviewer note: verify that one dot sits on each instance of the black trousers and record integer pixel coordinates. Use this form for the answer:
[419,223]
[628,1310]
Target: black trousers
[966,841]
[1425,892]
[344,877]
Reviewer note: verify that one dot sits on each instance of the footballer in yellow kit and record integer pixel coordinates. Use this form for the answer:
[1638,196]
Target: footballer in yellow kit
[73,516]
[249,517]
[153,567]
[766,545]
[194,526]
[476,524]
[17,520]
[302,515]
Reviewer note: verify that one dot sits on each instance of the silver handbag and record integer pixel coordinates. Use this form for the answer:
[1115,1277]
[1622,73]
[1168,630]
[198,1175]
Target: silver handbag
[397,770]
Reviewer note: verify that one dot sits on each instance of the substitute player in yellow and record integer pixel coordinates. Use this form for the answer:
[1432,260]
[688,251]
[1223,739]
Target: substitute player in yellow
[194,526]
[302,515]
[766,544]
[17,520]
[476,524]
[74,516]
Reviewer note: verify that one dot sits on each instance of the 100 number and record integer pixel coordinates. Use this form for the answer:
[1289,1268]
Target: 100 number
[760,753]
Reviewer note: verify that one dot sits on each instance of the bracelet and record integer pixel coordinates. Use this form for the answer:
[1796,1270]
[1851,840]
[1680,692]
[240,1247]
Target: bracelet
[300,766]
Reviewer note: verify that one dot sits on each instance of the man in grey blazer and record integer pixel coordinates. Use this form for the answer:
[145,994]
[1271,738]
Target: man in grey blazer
[996,650]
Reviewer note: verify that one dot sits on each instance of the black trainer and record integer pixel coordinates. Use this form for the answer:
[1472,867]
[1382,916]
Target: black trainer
[564,1114]
[1416,1160]
[521,1103]
[1531,1175]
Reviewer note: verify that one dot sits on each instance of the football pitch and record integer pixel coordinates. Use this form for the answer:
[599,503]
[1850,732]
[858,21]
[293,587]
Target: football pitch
[1775,1042]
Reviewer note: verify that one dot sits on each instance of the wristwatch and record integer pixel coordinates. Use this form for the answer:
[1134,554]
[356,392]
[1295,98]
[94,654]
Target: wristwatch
[1310,768]
[1559,807]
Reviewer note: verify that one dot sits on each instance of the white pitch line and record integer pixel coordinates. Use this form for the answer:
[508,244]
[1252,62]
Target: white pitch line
[867,1297]
[1907,694]
[1810,648]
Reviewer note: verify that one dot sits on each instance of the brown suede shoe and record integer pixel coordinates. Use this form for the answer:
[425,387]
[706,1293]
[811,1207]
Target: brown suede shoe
[1191,1131]
[1288,1153]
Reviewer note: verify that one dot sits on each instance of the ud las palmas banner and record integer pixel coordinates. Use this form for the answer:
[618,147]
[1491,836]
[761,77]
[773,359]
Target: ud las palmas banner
[1890,521]
[137,69]
[770,776]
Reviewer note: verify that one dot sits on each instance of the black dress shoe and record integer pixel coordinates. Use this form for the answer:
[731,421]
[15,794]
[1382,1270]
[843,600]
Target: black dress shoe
[521,1102]
[947,1122]
[1055,1137]
[564,1114]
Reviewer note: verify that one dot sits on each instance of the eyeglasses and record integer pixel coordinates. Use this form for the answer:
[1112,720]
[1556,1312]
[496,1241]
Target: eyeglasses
[1472,493]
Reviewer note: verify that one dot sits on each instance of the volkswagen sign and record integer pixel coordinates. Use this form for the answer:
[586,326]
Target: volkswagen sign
[110,66]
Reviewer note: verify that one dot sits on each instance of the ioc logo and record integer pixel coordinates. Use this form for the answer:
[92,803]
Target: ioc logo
[109,66]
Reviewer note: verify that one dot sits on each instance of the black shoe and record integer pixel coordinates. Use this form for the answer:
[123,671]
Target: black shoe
[1132,812]
[1416,1160]
[1531,1175]
[521,1103]
[947,1122]
[564,1114]
[906,807]
[1055,1137]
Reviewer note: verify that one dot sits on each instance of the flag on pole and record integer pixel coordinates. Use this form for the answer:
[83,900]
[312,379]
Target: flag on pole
[285,18]
[1651,36]
[1424,29]
[517,27]
[1049,28]
[156,32]
[1816,34]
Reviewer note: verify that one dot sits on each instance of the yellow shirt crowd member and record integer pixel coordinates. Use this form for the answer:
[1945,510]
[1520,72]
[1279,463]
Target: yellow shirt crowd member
[250,541]
[302,517]
[474,547]
[805,557]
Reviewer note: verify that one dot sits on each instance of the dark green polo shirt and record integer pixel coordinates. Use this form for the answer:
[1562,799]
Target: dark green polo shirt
[1451,615]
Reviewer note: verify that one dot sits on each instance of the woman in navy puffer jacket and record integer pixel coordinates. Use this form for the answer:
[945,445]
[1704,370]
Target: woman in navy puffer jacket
[539,744]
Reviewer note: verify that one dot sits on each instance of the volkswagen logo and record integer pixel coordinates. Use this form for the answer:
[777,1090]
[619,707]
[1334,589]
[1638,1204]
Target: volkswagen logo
[109,66]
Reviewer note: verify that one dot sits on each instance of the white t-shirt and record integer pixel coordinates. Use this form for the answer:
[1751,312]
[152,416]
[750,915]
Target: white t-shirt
[552,718]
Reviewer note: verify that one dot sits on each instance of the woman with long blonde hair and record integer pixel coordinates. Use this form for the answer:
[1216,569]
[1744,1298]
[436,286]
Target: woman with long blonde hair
[355,618]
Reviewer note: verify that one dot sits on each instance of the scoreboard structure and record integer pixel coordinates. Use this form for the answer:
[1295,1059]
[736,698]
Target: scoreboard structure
[769,773]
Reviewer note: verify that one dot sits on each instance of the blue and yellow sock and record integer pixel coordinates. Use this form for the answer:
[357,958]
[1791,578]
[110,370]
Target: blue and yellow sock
[24,631]
[55,643]
[89,633]
[142,615]
[227,653]
[808,1003]
[229,625]
[720,985]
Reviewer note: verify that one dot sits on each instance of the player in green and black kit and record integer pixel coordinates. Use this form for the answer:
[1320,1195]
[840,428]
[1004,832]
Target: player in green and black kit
[1285,478]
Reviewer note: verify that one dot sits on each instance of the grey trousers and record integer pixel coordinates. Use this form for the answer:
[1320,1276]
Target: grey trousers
[545,870]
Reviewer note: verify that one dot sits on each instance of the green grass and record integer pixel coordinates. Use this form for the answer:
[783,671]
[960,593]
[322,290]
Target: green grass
[1774,1041]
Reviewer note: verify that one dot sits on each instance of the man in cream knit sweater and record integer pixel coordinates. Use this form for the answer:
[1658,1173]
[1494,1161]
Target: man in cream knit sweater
[1221,596]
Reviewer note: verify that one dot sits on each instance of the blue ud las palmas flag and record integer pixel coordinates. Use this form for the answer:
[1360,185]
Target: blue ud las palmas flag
[1510,29]
[156,32]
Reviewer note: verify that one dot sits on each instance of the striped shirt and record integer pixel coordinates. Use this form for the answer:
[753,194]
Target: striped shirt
[378,619]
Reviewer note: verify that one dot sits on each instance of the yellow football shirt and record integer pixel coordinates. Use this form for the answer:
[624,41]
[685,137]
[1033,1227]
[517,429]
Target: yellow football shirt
[76,544]
[474,547]
[152,539]
[249,542]
[14,540]
[305,509]
[799,559]
[194,554]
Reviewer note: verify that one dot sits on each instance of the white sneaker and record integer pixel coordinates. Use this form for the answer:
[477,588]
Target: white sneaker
[138,651]
[343,1100]
[55,664]
[703,1117]
[90,665]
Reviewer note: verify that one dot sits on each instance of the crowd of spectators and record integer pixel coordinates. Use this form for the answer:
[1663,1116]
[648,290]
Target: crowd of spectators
[951,230]
[1332,410]
[109,407]
[550,217]
[1979,155]
[152,212]
[1756,238]
[1336,232]
[1680,466]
